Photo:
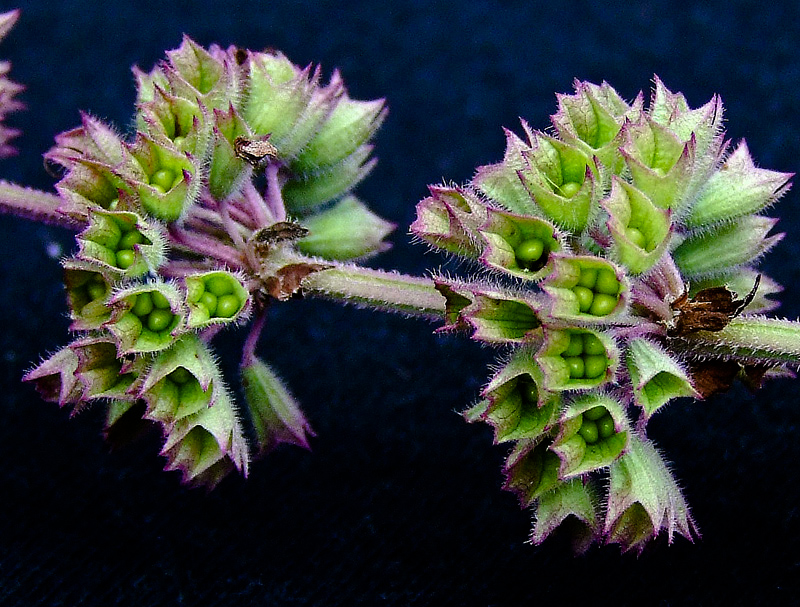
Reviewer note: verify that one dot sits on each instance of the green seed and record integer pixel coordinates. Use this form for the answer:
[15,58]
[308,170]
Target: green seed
[143,305]
[528,391]
[584,296]
[576,367]
[178,141]
[529,251]
[180,375]
[605,426]
[575,347]
[129,239]
[602,304]
[594,366]
[96,291]
[219,285]
[227,306]
[592,345]
[588,431]
[159,319]
[163,179]
[588,278]
[595,413]
[209,300]
[636,237]
[568,189]
[159,300]
[158,188]
[606,282]
[125,258]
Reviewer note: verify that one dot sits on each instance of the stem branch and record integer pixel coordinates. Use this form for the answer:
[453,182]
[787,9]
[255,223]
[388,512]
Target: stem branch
[389,291]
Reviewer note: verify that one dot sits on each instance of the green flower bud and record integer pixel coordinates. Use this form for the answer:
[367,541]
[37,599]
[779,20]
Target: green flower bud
[513,404]
[639,228]
[585,289]
[656,376]
[531,470]
[561,179]
[182,381]
[122,243]
[494,316]
[643,499]
[574,499]
[706,253]
[450,219]
[88,291]
[146,317]
[350,125]
[565,367]
[56,379]
[579,444]
[510,241]
[501,182]
[273,411]
[347,230]
[165,180]
[216,297]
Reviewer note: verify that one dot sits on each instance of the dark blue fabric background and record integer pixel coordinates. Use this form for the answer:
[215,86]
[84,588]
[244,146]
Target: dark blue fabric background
[399,503]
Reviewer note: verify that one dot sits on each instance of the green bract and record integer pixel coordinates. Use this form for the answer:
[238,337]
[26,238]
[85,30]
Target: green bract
[593,236]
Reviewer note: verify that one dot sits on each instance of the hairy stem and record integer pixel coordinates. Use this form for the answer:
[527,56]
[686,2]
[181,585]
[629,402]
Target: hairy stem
[389,291]
[755,339]
[33,204]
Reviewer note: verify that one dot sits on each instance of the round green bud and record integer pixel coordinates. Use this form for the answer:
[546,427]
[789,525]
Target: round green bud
[96,290]
[636,237]
[584,296]
[528,391]
[575,366]
[178,141]
[194,290]
[130,324]
[594,366]
[143,305]
[129,239]
[125,258]
[158,188]
[209,300]
[595,413]
[588,431]
[605,426]
[602,304]
[568,189]
[592,345]
[587,278]
[159,319]
[606,282]
[162,179]
[575,347]
[159,300]
[180,375]
[529,251]
[227,306]
[219,285]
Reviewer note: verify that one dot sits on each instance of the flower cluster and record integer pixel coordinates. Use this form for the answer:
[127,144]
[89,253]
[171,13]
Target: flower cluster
[8,90]
[176,241]
[618,259]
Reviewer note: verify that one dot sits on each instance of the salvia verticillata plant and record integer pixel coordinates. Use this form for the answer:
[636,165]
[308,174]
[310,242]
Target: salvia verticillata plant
[618,257]
[176,242]
[616,267]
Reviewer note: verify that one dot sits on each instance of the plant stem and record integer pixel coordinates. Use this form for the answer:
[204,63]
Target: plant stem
[754,339]
[33,204]
[389,291]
